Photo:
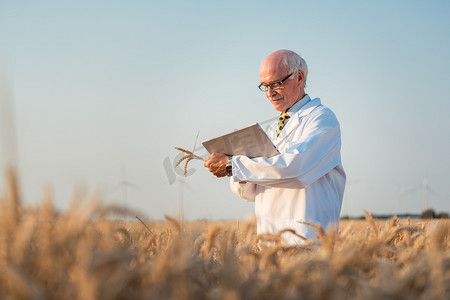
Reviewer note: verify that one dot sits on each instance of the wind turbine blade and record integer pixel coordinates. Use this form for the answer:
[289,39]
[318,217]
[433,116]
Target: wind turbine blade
[123,183]
[189,187]
[417,188]
[127,183]
[184,184]
[116,187]
[432,191]
[268,121]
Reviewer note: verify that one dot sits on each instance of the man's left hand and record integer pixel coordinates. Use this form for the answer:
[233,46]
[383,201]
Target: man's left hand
[217,164]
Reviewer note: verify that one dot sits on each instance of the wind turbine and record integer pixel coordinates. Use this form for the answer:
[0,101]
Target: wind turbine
[425,189]
[182,184]
[345,200]
[403,201]
[124,184]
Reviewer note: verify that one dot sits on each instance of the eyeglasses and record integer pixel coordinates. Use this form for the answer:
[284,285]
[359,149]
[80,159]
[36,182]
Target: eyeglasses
[273,85]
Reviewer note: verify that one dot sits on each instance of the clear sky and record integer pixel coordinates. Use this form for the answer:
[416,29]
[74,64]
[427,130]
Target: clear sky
[106,88]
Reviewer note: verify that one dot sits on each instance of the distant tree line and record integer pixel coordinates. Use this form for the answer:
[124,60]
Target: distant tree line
[426,214]
[431,214]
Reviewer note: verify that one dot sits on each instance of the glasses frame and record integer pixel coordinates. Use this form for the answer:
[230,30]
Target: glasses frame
[266,86]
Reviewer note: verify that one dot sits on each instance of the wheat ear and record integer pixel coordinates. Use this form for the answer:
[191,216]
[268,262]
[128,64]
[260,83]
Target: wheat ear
[188,157]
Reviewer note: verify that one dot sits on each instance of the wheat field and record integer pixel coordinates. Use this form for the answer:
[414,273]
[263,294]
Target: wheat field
[81,254]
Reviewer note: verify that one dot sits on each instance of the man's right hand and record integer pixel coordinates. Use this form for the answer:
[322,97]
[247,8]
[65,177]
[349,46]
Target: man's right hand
[217,164]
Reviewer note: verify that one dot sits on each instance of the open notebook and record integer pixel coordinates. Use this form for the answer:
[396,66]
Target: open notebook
[250,141]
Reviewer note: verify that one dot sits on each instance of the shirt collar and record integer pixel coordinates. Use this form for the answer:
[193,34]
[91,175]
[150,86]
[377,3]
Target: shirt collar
[299,104]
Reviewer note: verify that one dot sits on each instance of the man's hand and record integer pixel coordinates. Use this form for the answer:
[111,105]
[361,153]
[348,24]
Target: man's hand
[217,164]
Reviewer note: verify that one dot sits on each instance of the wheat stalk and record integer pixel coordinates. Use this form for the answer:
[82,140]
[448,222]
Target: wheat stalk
[143,224]
[188,157]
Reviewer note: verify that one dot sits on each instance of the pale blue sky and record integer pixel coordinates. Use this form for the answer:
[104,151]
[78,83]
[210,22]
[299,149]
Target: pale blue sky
[99,86]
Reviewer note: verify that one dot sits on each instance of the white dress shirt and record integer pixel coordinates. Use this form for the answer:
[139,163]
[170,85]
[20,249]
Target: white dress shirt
[304,183]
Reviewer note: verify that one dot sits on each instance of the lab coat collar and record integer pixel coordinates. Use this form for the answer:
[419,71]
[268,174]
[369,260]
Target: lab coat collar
[298,105]
[295,118]
[308,107]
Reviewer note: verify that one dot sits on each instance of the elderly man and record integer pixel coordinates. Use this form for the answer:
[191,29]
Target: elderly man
[305,182]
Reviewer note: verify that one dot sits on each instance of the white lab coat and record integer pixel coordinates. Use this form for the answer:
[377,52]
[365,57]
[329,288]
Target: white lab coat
[305,182]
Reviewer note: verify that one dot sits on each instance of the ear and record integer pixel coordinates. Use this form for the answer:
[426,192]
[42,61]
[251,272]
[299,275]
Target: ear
[300,77]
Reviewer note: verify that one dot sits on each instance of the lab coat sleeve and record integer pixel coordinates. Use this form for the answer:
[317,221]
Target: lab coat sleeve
[246,191]
[315,152]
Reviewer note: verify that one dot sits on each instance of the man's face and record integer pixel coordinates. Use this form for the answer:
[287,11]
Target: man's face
[290,91]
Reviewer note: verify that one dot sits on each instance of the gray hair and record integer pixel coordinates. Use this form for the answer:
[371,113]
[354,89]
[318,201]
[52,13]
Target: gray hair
[294,62]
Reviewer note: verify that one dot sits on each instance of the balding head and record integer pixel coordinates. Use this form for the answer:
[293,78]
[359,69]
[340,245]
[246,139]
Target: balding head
[288,67]
[286,61]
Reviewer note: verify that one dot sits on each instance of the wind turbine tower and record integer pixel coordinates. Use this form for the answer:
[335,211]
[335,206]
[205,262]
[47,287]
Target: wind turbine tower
[124,184]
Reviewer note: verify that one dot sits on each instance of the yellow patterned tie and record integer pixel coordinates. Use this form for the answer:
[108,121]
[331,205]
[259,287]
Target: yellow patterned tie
[283,117]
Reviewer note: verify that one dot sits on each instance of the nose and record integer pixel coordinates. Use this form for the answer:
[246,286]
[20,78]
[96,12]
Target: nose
[270,92]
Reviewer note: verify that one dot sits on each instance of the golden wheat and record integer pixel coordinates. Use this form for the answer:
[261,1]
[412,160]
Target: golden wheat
[188,157]
[84,254]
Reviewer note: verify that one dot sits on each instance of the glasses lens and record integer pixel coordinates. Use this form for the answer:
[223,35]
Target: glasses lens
[275,85]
